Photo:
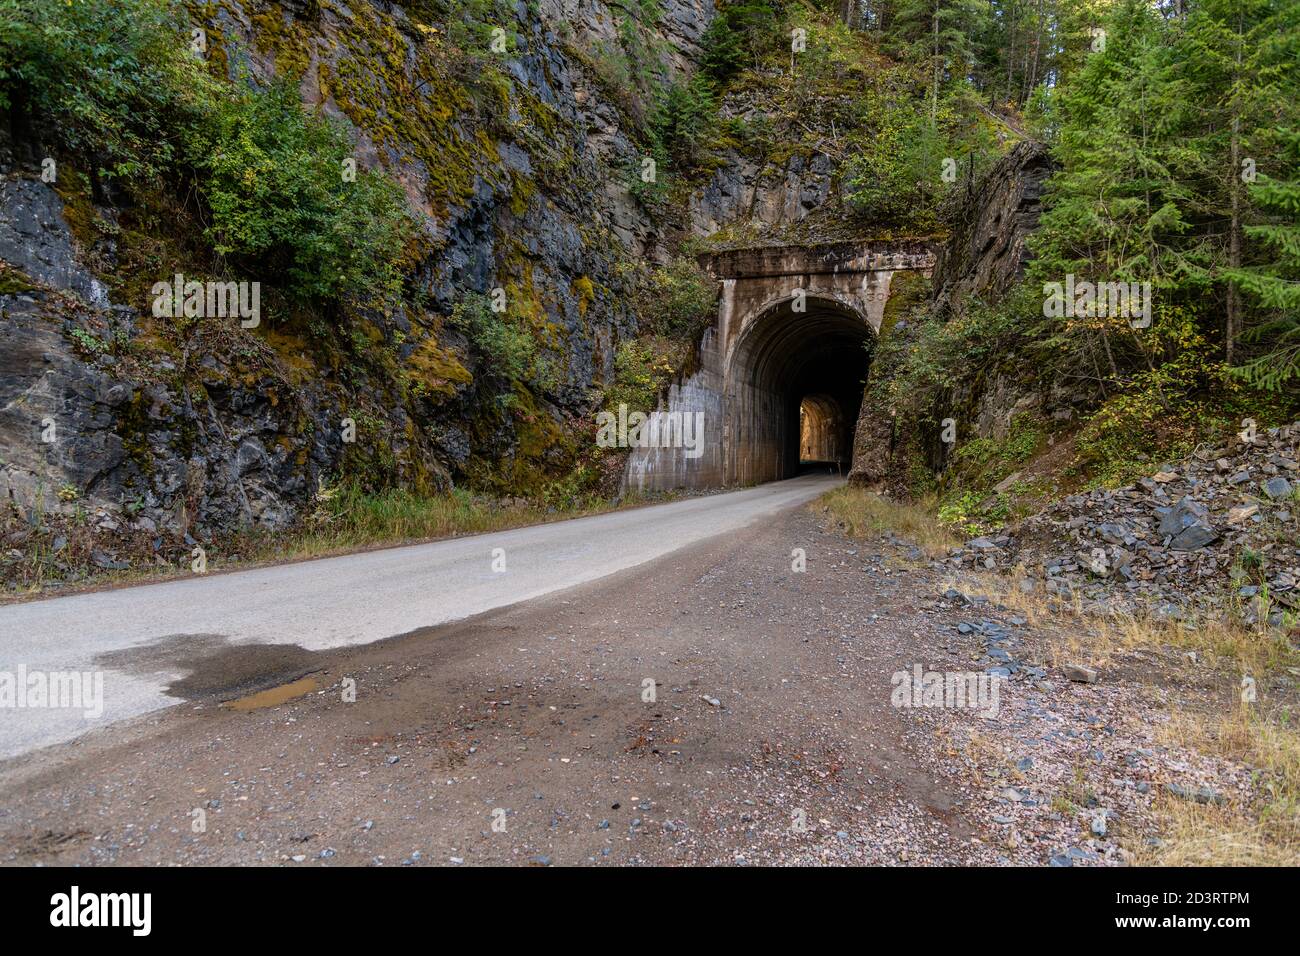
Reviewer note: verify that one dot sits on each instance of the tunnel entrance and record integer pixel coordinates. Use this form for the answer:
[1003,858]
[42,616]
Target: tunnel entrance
[794,383]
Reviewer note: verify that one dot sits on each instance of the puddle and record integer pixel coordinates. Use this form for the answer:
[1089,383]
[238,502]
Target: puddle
[212,669]
[274,695]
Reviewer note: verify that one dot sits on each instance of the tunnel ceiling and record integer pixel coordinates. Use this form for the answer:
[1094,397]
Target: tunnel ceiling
[787,350]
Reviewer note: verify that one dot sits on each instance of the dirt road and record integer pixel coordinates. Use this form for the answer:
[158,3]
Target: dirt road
[526,735]
[147,639]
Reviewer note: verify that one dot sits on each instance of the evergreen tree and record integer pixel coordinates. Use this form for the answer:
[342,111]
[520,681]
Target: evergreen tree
[1232,67]
[1118,208]
[1275,286]
[944,31]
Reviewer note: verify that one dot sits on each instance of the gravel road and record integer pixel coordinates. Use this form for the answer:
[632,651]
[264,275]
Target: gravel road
[147,639]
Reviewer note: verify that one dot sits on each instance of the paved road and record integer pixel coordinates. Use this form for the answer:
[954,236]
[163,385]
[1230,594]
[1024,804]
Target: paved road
[335,602]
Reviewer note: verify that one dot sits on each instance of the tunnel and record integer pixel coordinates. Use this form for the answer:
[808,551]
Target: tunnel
[794,385]
[821,433]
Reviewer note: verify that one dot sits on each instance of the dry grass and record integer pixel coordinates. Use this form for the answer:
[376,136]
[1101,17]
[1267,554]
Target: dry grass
[864,512]
[1262,736]
[1266,833]
[1079,636]
[344,521]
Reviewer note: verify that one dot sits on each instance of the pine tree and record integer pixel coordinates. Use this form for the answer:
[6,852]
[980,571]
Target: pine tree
[1275,286]
[1117,209]
[944,31]
[1234,72]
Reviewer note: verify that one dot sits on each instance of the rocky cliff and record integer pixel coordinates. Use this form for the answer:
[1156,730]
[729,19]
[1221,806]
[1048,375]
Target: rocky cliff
[985,251]
[983,255]
[522,167]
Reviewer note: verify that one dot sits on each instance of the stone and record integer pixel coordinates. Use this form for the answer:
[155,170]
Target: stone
[1005,484]
[1196,794]
[1194,537]
[1277,488]
[1114,532]
[1240,513]
[1184,513]
[1079,673]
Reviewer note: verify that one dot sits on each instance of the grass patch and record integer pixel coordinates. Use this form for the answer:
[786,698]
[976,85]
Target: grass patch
[345,519]
[861,513]
[1264,834]
[1264,831]
[1079,636]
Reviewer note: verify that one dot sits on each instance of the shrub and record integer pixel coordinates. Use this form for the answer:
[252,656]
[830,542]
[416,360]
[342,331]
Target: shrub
[272,178]
[115,78]
[506,353]
[679,300]
[643,367]
[116,81]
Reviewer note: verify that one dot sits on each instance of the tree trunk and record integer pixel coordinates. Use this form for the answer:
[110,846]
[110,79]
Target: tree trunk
[934,89]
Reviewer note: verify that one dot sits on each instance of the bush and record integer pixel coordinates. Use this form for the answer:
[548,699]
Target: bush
[115,78]
[687,112]
[506,353]
[272,178]
[642,370]
[116,81]
[679,300]
[738,37]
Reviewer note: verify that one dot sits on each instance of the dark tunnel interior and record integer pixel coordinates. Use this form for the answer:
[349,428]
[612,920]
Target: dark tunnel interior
[805,373]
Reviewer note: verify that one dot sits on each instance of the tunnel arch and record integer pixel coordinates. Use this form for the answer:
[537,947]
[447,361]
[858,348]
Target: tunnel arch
[783,357]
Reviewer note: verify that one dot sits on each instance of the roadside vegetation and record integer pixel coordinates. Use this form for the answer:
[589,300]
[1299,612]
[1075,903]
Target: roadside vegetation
[64,553]
[1177,164]
[1195,666]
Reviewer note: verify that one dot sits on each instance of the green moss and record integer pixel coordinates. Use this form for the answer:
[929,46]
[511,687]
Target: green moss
[84,222]
[907,291]
[132,426]
[12,281]
[583,289]
[543,450]
[420,113]
[287,40]
[435,371]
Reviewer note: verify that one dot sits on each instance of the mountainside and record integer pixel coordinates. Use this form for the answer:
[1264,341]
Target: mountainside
[467,228]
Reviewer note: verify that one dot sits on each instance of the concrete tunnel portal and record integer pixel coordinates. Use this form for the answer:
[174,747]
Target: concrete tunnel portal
[780,377]
[794,385]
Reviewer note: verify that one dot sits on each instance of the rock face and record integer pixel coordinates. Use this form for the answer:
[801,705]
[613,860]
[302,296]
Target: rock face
[229,428]
[56,412]
[983,256]
[986,253]
[763,203]
[34,238]
[1170,541]
[86,421]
